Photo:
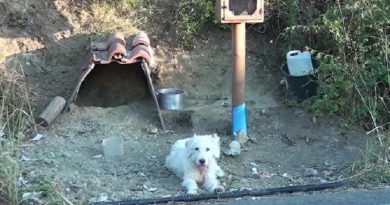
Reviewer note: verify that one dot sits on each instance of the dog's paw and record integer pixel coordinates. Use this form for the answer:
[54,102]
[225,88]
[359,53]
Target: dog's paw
[219,189]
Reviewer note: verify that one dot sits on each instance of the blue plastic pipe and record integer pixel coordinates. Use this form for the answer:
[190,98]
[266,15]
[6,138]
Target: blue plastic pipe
[238,121]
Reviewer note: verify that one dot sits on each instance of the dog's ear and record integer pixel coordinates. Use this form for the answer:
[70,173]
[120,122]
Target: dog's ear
[189,145]
[217,146]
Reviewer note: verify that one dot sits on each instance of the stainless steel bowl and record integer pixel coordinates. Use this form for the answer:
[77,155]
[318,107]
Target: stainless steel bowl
[170,98]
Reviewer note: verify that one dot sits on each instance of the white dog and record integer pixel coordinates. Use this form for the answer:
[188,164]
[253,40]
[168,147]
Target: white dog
[194,160]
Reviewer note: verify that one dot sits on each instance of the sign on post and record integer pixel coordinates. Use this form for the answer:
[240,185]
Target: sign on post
[240,11]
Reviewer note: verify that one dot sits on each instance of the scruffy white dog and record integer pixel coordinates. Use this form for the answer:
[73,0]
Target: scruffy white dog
[194,160]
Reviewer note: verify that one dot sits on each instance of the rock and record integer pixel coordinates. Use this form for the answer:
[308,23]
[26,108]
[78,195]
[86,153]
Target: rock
[25,159]
[264,175]
[323,181]
[282,82]
[327,173]
[98,156]
[37,137]
[152,189]
[21,182]
[102,197]
[286,175]
[31,195]
[327,163]
[153,130]
[254,171]
[224,104]
[235,148]
[242,137]
[310,172]
[254,164]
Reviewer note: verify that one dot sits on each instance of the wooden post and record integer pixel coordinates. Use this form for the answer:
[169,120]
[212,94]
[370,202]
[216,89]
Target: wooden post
[152,92]
[51,111]
[238,46]
[238,81]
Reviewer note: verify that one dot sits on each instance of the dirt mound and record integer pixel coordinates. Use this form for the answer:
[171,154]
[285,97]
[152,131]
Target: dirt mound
[110,104]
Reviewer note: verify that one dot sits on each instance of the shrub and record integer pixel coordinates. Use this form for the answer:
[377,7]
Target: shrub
[352,44]
[191,16]
[351,40]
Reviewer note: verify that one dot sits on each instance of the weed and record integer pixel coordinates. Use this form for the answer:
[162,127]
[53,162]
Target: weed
[190,18]
[374,167]
[48,187]
[18,19]
[192,14]
[15,122]
[100,18]
[107,19]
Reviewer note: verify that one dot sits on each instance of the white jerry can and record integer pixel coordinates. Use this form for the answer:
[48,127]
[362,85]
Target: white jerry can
[299,63]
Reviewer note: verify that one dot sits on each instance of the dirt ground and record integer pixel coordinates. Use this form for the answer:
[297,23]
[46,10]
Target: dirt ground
[290,148]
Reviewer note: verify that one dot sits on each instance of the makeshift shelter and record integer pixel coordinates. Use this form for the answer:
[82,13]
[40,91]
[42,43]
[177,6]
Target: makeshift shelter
[116,74]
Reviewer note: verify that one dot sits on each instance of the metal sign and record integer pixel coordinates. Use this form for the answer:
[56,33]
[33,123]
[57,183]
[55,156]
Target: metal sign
[240,11]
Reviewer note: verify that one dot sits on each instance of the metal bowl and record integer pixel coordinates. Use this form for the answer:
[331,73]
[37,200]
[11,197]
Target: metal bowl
[170,98]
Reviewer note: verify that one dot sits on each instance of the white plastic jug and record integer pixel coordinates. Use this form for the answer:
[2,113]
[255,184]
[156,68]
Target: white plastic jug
[299,63]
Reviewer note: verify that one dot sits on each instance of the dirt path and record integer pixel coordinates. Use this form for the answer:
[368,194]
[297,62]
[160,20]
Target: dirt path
[290,148]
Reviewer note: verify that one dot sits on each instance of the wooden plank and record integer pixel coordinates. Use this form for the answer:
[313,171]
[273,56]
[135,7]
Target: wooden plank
[51,111]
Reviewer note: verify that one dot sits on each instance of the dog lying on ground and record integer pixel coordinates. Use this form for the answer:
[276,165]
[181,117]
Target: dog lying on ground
[194,161]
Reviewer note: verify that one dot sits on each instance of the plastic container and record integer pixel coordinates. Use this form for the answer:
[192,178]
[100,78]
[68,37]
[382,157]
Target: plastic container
[112,147]
[301,87]
[299,63]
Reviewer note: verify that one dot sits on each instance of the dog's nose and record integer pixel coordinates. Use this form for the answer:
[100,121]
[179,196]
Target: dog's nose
[202,161]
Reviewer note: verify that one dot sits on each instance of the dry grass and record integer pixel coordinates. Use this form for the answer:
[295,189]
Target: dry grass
[98,18]
[15,122]
[16,119]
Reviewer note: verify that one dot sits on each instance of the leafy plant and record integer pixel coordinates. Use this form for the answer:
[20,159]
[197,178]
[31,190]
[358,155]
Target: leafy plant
[191,15]
[351,39]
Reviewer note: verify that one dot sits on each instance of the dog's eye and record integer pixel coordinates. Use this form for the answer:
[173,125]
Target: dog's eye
[207,149]
[196,149]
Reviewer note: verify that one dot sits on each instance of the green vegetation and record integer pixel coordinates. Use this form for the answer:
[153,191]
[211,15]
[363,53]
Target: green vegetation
[191,16]
[351,40]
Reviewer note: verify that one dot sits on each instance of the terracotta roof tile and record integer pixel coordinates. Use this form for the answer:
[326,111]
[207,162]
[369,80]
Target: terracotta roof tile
[115,50]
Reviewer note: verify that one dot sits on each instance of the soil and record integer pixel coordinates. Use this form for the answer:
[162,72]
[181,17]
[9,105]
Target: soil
[289,145]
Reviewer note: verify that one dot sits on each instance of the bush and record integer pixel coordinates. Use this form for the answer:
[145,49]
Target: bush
[351,40]
[191,16]
[352,44]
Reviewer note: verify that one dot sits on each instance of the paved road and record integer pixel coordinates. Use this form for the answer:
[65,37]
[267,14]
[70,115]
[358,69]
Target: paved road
[355,197]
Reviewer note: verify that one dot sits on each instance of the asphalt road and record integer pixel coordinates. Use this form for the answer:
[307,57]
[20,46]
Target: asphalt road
[354,197]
